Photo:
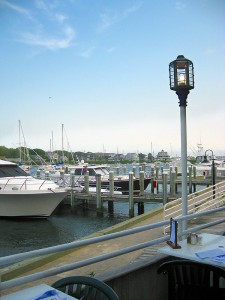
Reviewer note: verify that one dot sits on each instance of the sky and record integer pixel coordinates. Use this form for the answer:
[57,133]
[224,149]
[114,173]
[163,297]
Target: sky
[99,69]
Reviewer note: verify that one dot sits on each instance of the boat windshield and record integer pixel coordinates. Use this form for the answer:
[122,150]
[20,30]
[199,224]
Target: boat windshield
[102,171]
[12,171]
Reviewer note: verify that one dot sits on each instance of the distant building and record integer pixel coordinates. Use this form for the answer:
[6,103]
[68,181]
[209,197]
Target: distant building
[132,157]
[162,155]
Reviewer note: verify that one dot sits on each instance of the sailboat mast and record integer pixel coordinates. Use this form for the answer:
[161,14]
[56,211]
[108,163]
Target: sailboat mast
[62,144]
[20,142]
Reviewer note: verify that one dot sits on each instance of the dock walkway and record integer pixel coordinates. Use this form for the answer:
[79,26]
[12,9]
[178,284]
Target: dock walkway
[106,247]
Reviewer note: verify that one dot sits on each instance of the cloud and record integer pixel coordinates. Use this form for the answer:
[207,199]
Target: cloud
[109,18]
[36,35]
[112,49]
[88,52]
[17,8]
[180,5]
[209,51]
[50,42]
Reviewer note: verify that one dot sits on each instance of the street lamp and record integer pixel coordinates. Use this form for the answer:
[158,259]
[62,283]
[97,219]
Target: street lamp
[181,72]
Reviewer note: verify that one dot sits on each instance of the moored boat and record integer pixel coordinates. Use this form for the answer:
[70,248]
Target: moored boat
[22,195]
[121,182]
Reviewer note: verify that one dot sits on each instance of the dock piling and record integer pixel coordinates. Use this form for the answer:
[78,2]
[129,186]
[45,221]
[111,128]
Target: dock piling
[165,179]
[98,195]
[131,194]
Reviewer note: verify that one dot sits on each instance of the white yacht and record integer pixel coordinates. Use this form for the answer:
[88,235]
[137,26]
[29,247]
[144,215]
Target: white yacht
[21,195]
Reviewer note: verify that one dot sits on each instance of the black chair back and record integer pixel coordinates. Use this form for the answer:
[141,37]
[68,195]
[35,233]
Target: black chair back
[193,280]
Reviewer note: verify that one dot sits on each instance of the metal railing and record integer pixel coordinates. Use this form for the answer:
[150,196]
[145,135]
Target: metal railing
[7,260]
[15,183]
[209,198]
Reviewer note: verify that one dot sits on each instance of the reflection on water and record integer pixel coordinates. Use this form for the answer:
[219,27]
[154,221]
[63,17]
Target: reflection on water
[22,235]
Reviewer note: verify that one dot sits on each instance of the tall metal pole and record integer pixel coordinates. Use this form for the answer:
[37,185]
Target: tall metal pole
[183,159]
[182,95]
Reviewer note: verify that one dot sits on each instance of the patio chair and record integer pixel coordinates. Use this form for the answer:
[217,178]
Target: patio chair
[193,280]
[85,288]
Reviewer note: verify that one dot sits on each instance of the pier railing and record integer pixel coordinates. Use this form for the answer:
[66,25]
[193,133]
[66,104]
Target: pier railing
[209,198]
[8,260]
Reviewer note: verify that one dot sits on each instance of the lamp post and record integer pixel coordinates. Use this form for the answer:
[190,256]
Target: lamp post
[212,171]
[181,72]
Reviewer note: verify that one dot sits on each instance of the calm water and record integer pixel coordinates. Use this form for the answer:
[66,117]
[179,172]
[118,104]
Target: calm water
[19,235]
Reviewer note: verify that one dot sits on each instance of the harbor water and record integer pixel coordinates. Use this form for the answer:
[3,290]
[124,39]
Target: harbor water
[63,226]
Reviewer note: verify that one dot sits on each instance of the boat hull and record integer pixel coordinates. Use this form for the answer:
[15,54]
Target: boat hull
[122,185]
[27,203]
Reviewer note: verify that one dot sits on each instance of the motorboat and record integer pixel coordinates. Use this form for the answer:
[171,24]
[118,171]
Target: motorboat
[22,195]
[121,182]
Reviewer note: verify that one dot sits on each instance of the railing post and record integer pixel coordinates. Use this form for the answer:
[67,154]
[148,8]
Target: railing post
[131,194]
[98,195]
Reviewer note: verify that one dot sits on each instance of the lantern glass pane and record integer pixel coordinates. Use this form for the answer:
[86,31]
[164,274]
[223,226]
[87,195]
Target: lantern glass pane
[181,77]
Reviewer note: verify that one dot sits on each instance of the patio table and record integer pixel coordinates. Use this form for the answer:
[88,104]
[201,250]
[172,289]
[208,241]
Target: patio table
[39,292]
[210,252]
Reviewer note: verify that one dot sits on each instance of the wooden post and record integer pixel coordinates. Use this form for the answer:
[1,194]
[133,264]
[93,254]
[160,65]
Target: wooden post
[124,170]
[194,176]
[47,175]
[86,182]
[110,207]
[152,171]
[134,171]
[117,171]
[131,194]
[165,179]
[111,183]
[141,183]
[98,195]
[157,172]
[141,208]
[176,171]
[38,174]
[176,185]
[190,179]
[61,174]
[72,198]
[172,183]
[171,170]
